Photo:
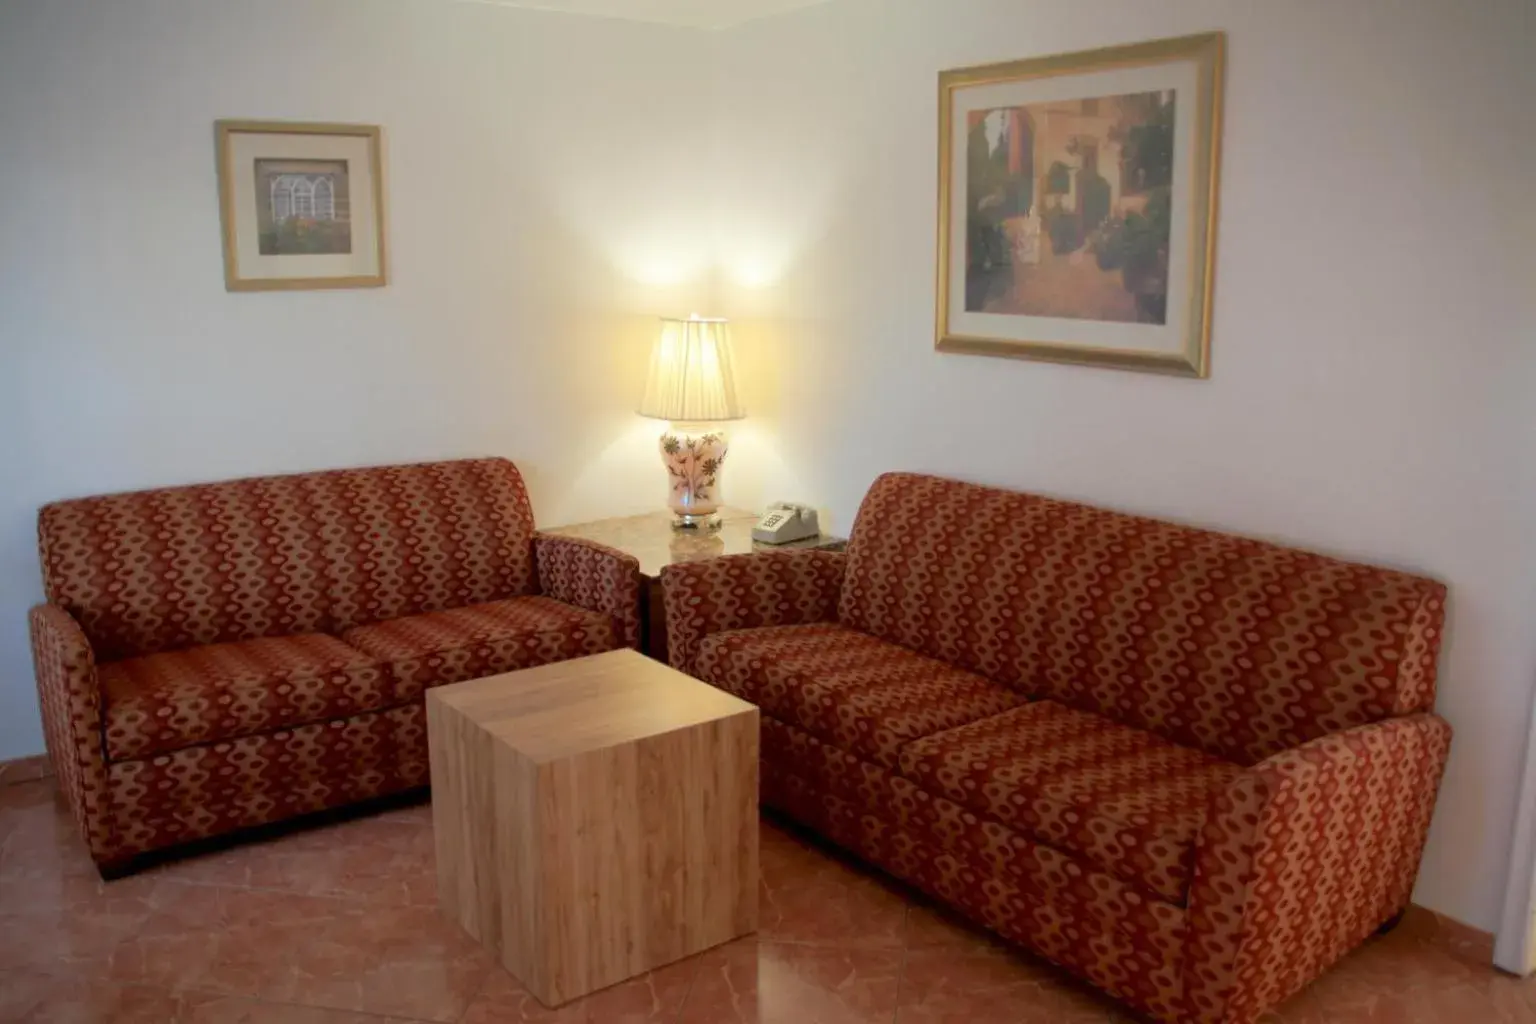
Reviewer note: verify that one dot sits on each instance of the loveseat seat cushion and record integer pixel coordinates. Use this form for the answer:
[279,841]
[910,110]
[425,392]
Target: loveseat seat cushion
[164,702]
[1122,799]
[847,688]
[420,651]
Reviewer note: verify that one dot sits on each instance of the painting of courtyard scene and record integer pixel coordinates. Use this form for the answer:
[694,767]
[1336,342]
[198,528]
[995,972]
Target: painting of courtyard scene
[1067,208]
[303,207]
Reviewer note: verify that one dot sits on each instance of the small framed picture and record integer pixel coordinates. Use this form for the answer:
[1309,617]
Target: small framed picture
[301,205]
[1077,206]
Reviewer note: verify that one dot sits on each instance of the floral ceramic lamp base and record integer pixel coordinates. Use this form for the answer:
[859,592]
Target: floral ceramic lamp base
[693,460]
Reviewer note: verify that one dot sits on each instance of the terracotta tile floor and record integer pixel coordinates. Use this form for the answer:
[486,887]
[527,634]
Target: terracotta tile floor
[336,925]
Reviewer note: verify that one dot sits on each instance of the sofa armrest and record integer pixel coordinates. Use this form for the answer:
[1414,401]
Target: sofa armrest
[70,699]
[591,576]
[765,588]
[1302,857]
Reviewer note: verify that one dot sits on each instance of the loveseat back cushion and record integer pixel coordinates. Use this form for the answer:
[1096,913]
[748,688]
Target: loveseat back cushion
[321,552]
[1235,646]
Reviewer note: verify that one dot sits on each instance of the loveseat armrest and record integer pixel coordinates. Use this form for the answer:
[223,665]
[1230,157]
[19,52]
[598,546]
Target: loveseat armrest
[70,698]
[1302,857]
[764,588]
[592,576]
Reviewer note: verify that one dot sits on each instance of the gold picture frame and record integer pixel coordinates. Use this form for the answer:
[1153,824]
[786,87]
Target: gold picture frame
[301,205]
[1075,172]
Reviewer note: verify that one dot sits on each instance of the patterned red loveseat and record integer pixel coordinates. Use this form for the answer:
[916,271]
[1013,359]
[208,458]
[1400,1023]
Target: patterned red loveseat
[1192,768]
[224,655]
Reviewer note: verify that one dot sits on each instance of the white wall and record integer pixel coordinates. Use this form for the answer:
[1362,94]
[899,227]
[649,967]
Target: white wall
[1373,327]
[542,204]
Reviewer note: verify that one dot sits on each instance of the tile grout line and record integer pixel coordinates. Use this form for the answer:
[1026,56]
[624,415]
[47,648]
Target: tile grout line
[302,1006]
[336,896]
[485,980]
[693,979]
[901,971]
[68,971]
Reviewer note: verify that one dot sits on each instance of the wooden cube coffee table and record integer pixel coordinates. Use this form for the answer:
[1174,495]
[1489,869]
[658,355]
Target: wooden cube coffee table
[594,818]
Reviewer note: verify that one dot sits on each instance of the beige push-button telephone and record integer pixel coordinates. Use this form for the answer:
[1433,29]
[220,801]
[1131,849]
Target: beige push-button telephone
[785,522]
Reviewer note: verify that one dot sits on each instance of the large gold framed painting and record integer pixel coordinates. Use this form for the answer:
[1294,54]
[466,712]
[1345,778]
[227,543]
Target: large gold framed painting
[1077,206]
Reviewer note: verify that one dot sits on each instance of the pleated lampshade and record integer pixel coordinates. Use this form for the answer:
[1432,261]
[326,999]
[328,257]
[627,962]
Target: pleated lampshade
[692,377]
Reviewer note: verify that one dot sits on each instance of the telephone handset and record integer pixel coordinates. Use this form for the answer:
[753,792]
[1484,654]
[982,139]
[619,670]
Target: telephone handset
[785,522]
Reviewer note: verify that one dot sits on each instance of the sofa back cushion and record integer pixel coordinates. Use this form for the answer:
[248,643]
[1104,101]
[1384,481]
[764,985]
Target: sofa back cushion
[270,556]
[1235,646]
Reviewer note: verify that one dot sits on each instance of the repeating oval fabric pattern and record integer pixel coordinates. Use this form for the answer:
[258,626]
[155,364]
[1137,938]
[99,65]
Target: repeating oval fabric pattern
[153,571]
[224,655]
[768,588]
[1194,769]
[1233,645]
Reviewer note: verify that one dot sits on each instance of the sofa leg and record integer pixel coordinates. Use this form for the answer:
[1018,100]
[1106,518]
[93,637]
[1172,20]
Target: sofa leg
[113,870]
[1391,923]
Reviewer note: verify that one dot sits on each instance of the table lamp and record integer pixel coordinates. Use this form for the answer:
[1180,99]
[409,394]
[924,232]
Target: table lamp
[692,385]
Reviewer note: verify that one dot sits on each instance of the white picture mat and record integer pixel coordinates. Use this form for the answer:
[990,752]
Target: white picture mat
[245,148]
[1171,337]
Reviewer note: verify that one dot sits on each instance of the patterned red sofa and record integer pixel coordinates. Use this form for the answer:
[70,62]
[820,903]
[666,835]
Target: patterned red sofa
[224,655]
[1192,768]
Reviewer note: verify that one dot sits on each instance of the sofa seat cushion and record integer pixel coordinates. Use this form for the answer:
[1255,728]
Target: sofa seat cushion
[421,651]
[165,702]
[1124,800]
[847,688]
